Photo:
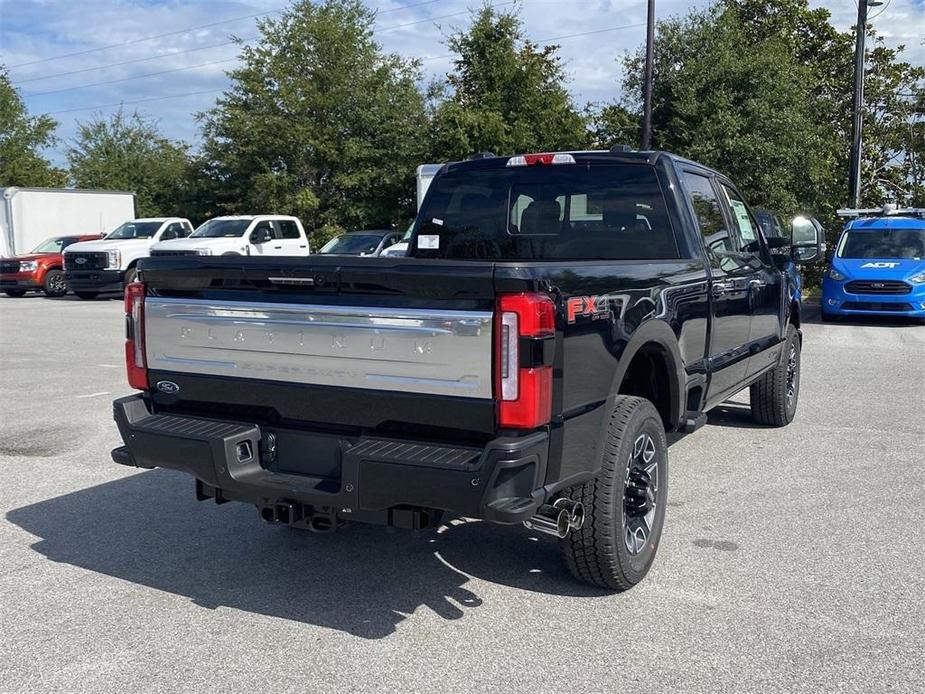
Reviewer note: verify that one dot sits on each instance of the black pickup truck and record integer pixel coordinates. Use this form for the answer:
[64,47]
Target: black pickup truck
[558,313]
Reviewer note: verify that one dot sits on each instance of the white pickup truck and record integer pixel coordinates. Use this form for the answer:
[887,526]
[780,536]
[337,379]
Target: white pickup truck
[92,267]
[241,235]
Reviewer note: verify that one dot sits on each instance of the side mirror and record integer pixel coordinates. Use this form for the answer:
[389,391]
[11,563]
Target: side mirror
[168,235]
[807,240]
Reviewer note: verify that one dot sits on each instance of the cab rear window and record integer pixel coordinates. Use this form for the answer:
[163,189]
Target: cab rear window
[558,212]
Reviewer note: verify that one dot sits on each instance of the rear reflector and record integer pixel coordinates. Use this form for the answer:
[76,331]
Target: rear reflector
[523,391]
[544,159]
[135,367]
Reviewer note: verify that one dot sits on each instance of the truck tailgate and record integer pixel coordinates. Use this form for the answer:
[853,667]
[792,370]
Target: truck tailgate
[419,350]
[306,337]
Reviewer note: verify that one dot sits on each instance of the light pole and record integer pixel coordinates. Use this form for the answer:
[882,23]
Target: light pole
[647,79]
[857,113]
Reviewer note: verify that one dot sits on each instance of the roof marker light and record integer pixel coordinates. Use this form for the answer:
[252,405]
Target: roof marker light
[543,159]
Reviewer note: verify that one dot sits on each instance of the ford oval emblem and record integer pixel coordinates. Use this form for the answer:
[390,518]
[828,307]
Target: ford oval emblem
[80,261]
[168,387]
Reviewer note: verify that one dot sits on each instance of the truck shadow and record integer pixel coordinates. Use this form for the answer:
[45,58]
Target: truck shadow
[733,414]
[362,580]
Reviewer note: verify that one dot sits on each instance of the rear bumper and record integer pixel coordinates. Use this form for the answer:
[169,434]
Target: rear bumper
[837,301]
[94,280]
[365,478]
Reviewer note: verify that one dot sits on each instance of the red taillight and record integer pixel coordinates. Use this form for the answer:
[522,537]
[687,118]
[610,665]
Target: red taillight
[135,367]
[523,388]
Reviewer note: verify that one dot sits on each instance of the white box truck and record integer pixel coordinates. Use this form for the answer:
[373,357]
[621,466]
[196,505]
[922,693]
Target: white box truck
[28,216]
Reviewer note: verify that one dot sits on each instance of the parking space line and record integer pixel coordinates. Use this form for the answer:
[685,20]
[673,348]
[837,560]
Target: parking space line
[93,395]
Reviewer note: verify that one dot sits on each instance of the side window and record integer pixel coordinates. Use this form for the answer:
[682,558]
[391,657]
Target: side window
[264,226]
[706,205]
[745,225]
[182,230]
[169,233]
[288,229]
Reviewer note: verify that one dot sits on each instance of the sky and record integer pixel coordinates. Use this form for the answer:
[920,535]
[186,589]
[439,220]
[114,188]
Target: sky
[168,58]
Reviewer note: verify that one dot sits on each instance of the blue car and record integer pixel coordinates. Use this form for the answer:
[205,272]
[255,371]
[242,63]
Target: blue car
[878,268]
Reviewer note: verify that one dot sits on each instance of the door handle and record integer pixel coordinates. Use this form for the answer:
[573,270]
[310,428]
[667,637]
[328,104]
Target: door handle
[277,246]
[756,284]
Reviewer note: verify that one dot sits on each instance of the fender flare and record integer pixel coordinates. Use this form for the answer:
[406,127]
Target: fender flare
[659,333]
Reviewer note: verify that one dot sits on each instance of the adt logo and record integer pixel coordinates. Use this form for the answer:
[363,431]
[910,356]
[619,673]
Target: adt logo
[880,265]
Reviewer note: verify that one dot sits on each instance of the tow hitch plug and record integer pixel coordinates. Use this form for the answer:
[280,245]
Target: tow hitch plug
[559,518]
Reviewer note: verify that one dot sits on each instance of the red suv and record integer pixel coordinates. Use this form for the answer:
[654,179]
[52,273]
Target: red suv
[40,270]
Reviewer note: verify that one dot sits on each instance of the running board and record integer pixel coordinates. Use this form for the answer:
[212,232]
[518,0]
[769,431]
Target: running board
[692,421]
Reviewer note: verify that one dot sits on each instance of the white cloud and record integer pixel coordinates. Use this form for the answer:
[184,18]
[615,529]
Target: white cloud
[41,29]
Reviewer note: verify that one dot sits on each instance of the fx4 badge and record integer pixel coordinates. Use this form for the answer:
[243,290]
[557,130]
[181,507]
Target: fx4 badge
[880,265]
[593,307]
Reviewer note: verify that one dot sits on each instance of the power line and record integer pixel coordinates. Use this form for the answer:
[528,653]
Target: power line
[213,91]
[213,62]
[228,60]
[130,79]
[554,38]
[228,43]
[190,28]
[126,62]
[136,101]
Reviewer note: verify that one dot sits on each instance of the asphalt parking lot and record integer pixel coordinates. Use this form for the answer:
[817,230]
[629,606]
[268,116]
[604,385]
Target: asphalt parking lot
[792,559]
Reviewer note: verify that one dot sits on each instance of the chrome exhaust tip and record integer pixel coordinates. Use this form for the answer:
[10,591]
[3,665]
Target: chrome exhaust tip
[558,519]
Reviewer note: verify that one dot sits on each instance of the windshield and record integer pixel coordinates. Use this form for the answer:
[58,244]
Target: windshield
[352,244]
[135,230]
[883,243]
[54,245]
[216,228]
[612,211]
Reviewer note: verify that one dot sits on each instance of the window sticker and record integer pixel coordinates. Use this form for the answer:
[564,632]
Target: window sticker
[429,241]
[438,222]
[745,222]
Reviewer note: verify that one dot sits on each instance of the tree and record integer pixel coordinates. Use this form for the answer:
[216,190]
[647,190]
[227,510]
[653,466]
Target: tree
[128,152]
[319,123]
[505,94]
[22,138]
[735,105]
[613,124]
[762,90]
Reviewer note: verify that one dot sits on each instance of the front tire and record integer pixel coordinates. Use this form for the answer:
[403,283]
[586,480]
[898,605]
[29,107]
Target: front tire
[131,275]
[54,284]
[625,504]
[87,296]
[774,396]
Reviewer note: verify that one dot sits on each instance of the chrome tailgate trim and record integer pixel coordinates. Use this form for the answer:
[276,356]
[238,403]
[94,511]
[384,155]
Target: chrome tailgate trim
[410,350]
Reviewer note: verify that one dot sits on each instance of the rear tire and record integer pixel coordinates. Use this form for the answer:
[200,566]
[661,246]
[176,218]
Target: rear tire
[86,295]
[15,293]
[774,396]
[625,504]
[54,284]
